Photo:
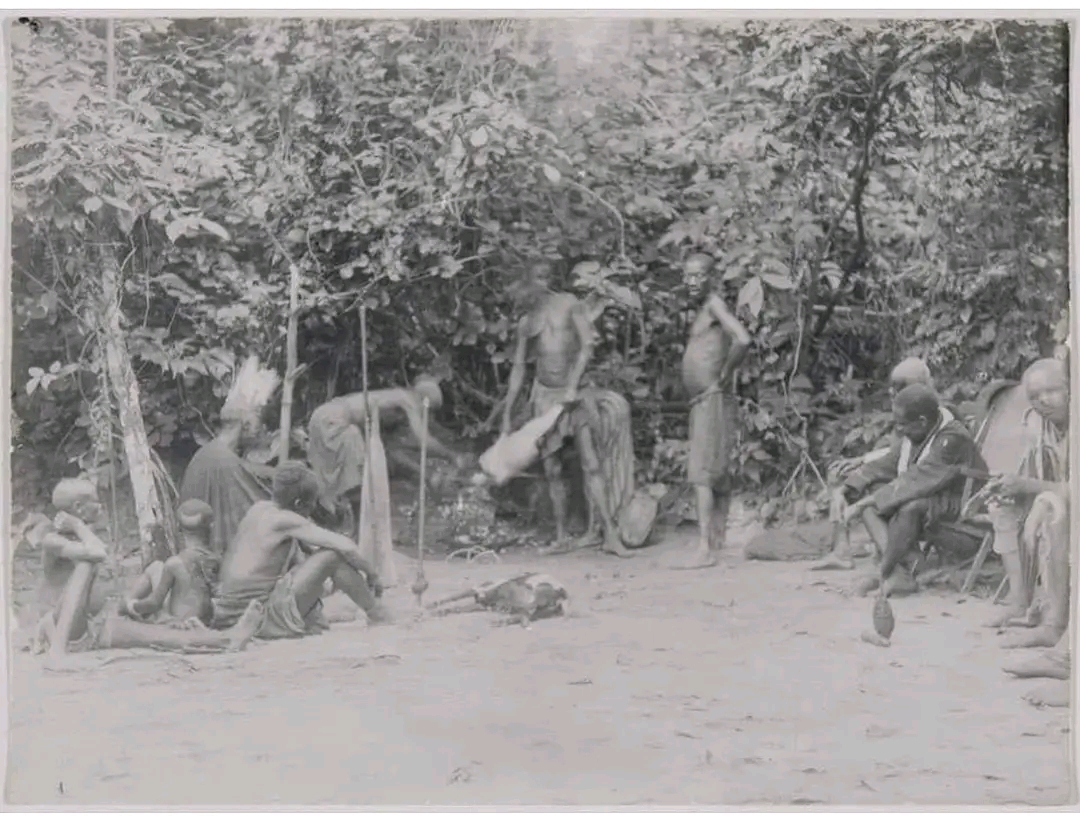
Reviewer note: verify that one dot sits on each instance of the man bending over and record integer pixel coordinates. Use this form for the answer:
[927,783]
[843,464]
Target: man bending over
[916,487]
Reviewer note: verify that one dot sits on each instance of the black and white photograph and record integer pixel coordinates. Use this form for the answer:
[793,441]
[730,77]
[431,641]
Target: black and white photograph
[548,410]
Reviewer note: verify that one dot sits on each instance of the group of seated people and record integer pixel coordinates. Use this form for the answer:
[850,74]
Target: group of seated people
[269,584]
[913,493]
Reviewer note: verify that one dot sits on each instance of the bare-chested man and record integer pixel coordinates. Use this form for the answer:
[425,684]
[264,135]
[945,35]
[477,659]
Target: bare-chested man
[179,589]
[717,345]
[559,327]
[266,565]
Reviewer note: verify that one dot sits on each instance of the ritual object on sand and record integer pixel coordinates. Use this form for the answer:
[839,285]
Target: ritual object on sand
[525,597]
[884,622]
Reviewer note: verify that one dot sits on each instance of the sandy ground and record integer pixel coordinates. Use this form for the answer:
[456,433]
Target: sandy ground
[744,684]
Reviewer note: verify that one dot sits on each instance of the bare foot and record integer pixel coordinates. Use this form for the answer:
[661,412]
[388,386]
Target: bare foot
[379,615]
[1044,636]
[1006,615]
[244,630]
[614,547]
[1032,617]
[875,639]
[1043,666]
[589,540]
[559,548]
[867,584]
[704,558]
[1053,695]
[833,561]
[900,583]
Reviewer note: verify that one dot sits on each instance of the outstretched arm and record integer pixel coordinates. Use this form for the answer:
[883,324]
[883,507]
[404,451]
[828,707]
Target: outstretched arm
[517,372]
[586,335]
[740,338]
[301,529]
[416,424]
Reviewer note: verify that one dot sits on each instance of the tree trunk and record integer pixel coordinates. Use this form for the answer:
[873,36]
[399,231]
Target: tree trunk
[125,389]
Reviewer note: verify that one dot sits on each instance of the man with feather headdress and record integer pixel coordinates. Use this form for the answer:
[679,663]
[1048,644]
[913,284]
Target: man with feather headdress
[217,474]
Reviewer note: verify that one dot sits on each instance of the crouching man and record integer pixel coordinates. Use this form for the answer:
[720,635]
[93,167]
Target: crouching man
[917,487]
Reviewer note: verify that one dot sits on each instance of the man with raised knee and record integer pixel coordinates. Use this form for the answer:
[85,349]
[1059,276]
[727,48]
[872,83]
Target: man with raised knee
[268,564]
[916,487]
[1030,513]
[908,372]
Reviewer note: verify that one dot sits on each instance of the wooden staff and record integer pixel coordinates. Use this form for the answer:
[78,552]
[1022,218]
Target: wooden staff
[421,584]
[365,488]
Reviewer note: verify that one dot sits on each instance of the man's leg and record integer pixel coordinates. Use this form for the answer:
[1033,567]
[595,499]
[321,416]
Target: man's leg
[596,488]
[839,556]
[1007,520]
[902,532]
[557,492]
[1050,540]
[120,632]
[310,577]
[70,615]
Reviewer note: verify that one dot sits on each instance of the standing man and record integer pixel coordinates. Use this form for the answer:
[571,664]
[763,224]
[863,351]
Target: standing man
[559,327]
[717,345]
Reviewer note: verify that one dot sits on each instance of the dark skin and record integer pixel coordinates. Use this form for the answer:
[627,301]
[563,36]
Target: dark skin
[184,596]
[705,365]
[263,545]
[916,427]
[556,330]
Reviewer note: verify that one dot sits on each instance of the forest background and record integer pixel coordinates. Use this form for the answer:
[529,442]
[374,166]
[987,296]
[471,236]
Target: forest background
[861,191]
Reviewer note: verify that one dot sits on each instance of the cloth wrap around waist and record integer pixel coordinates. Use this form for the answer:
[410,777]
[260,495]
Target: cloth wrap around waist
[714,437]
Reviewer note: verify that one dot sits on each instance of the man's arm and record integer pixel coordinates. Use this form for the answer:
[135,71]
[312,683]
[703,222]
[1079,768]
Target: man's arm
[740,338]
[879,469]
[579,315]
[949,454]
[88,547]
[416,423]
[156,600]
[306,531]
[517,372]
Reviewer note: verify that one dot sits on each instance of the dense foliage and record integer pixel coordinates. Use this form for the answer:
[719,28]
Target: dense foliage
[864,191]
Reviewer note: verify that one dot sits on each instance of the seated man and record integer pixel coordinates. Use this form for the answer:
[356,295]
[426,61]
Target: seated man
[259,566]
[908,372]
[77,610]
[1031,514]
[71,555]
[217,473]
[917,486]
[178,590]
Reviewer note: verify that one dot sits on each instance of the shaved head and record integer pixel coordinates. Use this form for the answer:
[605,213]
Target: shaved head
[910,371]
[195,515]
[295,487]
[1047,385]
[72,491]
[1050,370]
[916,401]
